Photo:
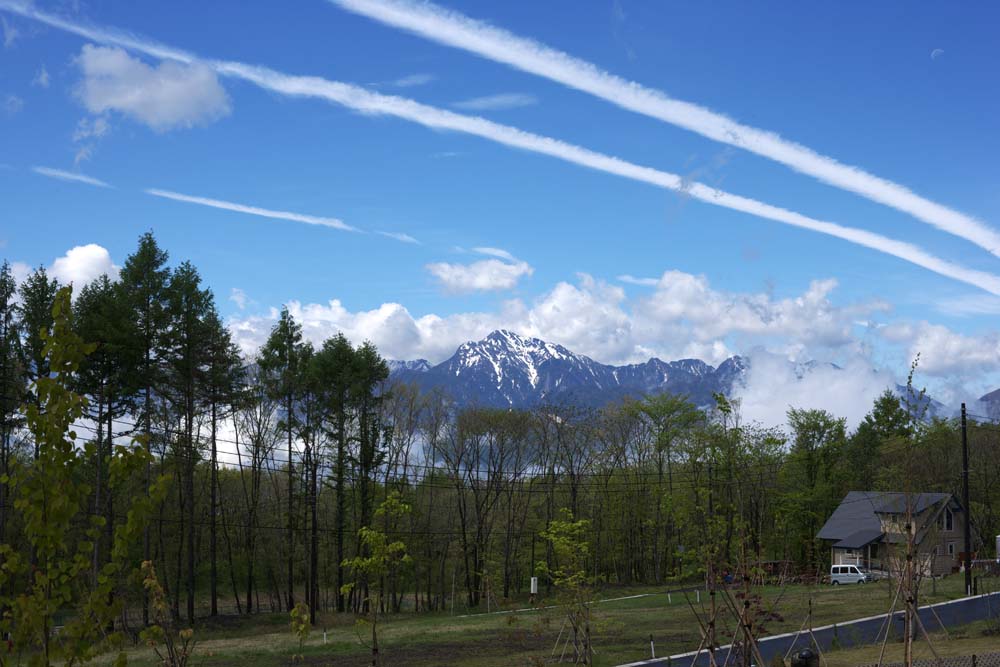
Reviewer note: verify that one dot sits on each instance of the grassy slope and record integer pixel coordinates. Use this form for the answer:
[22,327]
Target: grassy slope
[621,631]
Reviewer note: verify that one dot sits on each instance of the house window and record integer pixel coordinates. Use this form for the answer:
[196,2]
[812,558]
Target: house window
[946,521]
[951,548]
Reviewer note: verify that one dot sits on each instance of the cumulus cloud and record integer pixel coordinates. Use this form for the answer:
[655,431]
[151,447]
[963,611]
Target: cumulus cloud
[484,275]
[502,271]
[773,385]
[170,95]
[683,317]
[810,317]
[82,264]
[497,102]
[20,271]
[944,352]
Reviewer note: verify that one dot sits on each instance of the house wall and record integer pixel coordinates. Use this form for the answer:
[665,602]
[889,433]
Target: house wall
[941,544]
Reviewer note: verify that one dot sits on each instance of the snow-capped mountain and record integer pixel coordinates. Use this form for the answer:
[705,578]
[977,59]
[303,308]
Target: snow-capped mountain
[508,370]
[414,366]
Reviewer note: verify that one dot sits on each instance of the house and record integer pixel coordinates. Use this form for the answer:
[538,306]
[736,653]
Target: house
[868,528]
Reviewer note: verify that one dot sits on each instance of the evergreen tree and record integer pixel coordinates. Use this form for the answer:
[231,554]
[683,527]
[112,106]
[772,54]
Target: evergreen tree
[101,317]
[12,382]
[38,294]
[281,359]
[187,362]
[144,279]
[223,386]
[333,369]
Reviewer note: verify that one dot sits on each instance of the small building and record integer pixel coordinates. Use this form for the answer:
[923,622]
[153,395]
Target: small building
[868,529]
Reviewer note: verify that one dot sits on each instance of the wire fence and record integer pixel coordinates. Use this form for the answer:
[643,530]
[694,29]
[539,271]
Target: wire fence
[981,660]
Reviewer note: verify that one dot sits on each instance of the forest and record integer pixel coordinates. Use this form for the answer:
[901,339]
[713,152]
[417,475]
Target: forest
[134,431]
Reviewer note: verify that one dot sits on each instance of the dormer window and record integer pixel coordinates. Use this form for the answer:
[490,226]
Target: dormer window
[946,521]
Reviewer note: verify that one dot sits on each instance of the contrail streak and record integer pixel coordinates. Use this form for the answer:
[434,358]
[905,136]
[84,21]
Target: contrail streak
[365,101]
[457,30]
[253,210]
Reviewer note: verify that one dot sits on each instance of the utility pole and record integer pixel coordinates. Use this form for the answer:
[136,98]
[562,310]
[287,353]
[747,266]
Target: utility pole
[965,503]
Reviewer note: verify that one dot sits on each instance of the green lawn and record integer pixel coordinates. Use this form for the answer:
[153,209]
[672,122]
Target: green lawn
[621,630]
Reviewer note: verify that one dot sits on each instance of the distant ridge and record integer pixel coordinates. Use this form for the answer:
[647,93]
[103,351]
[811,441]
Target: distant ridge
[506,369]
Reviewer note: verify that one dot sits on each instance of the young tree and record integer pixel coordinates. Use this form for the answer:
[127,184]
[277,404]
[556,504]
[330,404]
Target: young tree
[568,538]
[381,555]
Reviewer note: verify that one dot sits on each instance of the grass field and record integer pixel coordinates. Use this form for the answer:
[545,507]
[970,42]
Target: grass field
[621,630]
[975,639]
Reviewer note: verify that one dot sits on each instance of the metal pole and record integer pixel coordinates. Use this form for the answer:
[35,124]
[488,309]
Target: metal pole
[965,503]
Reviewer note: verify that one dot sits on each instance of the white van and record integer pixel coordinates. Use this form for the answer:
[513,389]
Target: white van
[848,574]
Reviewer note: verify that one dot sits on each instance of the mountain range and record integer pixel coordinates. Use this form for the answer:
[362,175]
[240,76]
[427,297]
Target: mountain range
[506,369]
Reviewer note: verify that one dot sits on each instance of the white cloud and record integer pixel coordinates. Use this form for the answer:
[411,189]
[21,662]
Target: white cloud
[10,33]
[969,304]
[459,31]
[772,386]
[12,104]
[412,80]
[365,101]
[82,264]
[400,236]
[41,78]
[69,176]
[684,317]
[943,352]
[497,102]
[495,252]
[168,96]
[632,280]
[91,128]
[484,275]
[20,271]
[239,297]
[333,223]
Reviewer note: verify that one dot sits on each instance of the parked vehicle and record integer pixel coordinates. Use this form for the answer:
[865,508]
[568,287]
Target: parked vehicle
[848,574]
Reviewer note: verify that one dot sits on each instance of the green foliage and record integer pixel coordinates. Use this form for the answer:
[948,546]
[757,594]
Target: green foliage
[300,626]
[173,647]
[569,541]
[51,500]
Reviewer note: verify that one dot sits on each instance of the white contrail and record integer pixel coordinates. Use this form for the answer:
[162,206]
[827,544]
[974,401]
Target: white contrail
[457,30]
[365,101]
[69,176]
[253,210]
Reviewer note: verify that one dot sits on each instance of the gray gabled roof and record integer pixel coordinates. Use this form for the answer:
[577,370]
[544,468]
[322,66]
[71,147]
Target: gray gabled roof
[858,513]
[859,538]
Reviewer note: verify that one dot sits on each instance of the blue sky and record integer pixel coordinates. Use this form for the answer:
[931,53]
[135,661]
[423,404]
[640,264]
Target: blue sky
[907,92]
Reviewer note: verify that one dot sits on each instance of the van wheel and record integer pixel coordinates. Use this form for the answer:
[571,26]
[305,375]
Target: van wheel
[836,583]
